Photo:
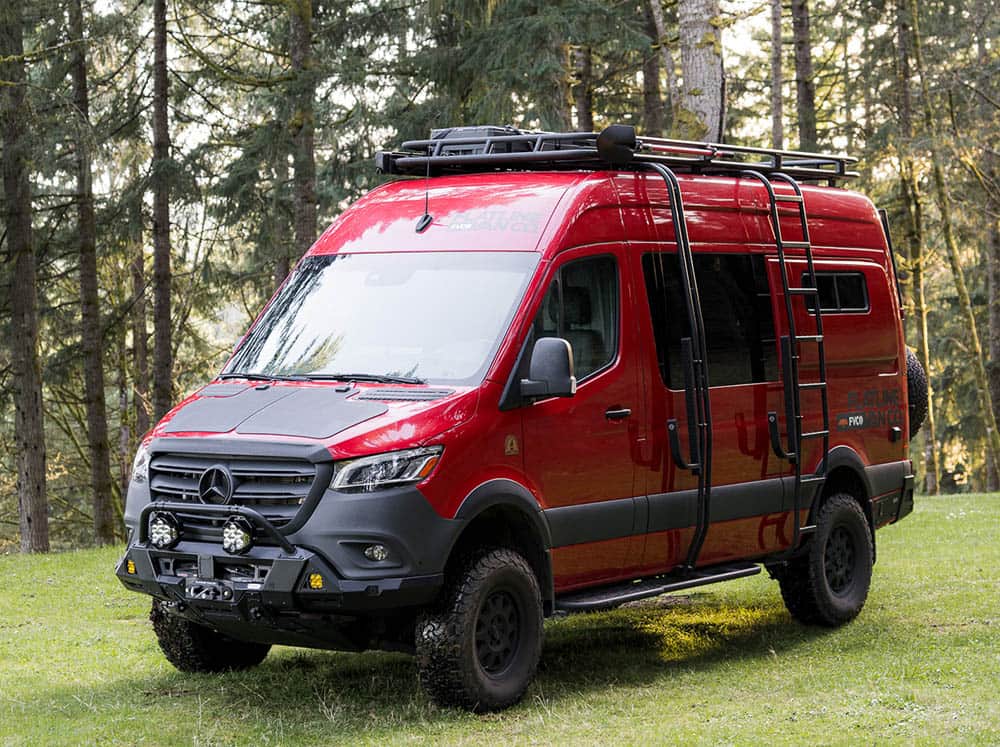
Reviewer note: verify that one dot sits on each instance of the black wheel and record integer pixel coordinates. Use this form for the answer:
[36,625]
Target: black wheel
[828,584]
[916,389]
[479,647]
[193,648]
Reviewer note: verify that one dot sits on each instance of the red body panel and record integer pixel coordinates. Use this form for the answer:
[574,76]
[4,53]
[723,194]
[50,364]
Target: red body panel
[564,451]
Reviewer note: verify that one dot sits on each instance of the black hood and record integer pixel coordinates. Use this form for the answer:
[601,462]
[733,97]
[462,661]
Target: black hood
[270,410]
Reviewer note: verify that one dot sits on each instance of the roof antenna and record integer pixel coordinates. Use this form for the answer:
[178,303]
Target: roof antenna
[426,219]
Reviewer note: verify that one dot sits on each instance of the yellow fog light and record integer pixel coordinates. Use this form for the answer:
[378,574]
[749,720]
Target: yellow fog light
[130,567]
[315,581]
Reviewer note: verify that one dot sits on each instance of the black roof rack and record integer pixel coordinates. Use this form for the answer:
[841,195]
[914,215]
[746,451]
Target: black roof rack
[477,149]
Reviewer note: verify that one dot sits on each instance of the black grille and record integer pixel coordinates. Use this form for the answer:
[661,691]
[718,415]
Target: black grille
[274,487]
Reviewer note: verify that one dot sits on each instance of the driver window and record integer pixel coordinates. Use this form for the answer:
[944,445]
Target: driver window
[581,306]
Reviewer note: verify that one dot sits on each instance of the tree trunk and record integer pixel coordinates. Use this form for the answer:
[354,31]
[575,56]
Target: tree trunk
[777,78]
[915,240]
[302,125]
[672,95]
[90,313]
[805,86]
[944,208]
[991,171]
[868,93]
[29,435]
[993,299]
[583,93]
[124,423]
[280,229]
[652,102]
[162,346]
[913,212]
[140,339]
[702,107]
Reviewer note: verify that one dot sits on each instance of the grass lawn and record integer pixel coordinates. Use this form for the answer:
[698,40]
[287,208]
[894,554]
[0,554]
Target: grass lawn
[725,665]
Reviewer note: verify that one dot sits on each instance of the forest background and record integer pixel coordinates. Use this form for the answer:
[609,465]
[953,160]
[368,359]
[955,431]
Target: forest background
[165,163]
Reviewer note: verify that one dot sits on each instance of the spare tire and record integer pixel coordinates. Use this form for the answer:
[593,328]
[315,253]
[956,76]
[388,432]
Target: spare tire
[916,388]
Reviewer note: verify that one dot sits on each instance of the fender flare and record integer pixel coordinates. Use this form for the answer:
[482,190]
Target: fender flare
[845,456]
[508,493]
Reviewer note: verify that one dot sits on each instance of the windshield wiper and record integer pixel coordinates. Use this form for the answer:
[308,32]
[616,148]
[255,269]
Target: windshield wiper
[252,376]
[378,378]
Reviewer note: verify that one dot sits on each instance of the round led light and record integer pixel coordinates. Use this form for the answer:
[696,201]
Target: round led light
[164,531]
[237,535]
[376,553]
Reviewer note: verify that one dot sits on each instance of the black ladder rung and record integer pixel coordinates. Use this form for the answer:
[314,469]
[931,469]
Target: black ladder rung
[796,245]
[804,291]
[815,434]
[809,338]
[788,198]
[813,385]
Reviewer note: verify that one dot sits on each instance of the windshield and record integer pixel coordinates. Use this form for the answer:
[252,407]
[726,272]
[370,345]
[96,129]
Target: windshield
[434,316]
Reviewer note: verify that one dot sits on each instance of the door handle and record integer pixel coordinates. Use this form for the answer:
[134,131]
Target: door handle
[617,413]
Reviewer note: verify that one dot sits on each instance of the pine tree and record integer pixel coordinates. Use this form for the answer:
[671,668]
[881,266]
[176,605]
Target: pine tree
[29,434]
[90,315]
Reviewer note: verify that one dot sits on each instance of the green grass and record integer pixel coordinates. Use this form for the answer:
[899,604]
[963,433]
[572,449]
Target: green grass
[727,665]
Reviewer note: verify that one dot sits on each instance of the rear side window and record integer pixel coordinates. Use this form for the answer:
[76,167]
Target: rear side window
[736,307]
[839,292]
[581,306]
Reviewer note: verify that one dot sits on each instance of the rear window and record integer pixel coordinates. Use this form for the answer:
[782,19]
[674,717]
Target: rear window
[839,292]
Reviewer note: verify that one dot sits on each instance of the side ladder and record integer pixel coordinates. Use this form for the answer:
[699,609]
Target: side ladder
[807,287]
[696,387]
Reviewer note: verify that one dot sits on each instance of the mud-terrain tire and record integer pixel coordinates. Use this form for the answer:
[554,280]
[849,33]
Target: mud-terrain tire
[478,647]
[193,648]
[829,583]
[916,387]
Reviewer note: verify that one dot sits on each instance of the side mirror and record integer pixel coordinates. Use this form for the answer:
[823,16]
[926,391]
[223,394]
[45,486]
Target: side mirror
[551,370]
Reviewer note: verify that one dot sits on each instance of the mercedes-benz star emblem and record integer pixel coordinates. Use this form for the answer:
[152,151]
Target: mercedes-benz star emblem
[216,485]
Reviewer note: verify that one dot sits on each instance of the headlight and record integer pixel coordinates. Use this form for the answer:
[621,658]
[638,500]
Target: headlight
[387,470]
[140,465]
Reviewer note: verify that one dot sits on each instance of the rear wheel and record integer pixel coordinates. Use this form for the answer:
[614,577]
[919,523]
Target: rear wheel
[193,648]
[479,648]
[828,585]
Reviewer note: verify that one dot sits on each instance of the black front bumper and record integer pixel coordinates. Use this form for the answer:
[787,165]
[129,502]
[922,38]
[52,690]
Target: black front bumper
[265,594]
[283,584]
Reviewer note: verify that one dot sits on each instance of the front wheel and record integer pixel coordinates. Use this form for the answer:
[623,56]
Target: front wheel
[479,647]
[828,585]
[194,648]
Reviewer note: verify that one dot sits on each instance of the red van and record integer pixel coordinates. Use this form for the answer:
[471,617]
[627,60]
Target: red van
[551,373]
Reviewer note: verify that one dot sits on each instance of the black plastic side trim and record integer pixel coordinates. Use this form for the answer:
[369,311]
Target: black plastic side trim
[885,478]
[623,517]
[591,522]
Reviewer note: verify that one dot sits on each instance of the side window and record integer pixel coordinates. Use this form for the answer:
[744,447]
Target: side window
[736,308]
[839,292]
[581,306]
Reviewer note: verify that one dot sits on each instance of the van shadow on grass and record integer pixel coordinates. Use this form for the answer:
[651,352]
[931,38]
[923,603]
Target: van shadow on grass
[310,691]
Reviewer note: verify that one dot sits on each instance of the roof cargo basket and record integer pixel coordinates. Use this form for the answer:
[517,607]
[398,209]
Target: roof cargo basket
[489,148]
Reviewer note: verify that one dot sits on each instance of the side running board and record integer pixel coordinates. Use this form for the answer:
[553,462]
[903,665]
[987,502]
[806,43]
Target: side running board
[606,597]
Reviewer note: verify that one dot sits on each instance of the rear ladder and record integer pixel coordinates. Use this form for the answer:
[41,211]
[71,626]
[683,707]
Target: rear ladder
[808,288]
